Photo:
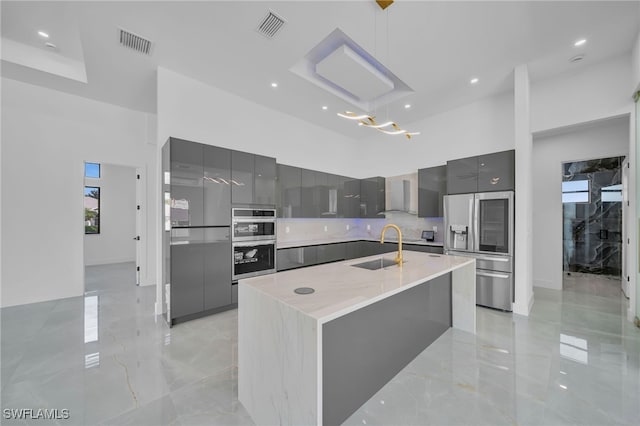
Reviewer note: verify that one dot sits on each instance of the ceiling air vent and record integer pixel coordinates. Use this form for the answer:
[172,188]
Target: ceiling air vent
[135,42]
[270,25]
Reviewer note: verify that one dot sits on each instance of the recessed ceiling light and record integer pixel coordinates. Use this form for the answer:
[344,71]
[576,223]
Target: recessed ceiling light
[407,106]
[274,85]
[474,80]
[325,107]
[580,42]
[43,34]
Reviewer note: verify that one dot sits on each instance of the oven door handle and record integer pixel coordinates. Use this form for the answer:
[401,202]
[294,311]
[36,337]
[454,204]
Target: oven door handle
[255,243]
[249,220]
[492,275]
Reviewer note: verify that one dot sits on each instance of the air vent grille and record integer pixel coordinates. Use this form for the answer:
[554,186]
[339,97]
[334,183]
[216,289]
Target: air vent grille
[270,25]
[135,42]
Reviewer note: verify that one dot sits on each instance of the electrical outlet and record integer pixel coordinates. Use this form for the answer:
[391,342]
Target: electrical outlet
[286,229]
[435,229]
[368,227]
[326,228]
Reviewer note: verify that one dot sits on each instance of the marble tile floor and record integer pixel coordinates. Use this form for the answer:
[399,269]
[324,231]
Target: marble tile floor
[108,360]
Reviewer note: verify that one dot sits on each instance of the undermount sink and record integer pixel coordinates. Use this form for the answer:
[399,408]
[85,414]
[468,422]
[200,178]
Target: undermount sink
[372,265]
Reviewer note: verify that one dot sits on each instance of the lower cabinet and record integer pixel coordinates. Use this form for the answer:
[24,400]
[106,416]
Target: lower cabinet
[201,273]
[423,248]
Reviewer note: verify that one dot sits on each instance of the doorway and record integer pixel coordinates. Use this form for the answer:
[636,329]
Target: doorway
[112,223]
[592,197]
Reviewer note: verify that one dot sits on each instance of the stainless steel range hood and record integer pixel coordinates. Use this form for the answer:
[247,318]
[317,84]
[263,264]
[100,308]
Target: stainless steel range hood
[399,195]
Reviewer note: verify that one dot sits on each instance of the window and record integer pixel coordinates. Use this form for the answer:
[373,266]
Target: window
[575,191]
[92,170]
[91,210]
[612,194]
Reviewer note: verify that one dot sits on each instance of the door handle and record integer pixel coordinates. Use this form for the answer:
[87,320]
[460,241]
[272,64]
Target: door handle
[493,259]
[489,274]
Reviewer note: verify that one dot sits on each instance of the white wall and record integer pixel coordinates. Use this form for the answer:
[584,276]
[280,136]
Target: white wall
[192,110]
[477,128]
[46,137]
[607,138]
[635,59]
[591,93]
[115,242]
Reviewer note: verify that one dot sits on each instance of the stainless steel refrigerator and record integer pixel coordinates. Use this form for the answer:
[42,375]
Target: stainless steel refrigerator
[481,226]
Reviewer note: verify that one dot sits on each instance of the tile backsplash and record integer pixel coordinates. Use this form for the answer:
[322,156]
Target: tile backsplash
[309,230]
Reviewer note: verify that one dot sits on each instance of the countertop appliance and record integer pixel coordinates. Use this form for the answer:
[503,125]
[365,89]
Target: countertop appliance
[481,226]
[428,236]
[253,242]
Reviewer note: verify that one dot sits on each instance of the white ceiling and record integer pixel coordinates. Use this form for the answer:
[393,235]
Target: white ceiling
[435,47]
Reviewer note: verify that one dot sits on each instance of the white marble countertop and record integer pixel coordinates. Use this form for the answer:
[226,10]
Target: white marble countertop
[304,243]
[341,288]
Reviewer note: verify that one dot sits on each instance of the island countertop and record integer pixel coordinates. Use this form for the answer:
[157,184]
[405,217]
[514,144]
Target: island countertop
[341,288]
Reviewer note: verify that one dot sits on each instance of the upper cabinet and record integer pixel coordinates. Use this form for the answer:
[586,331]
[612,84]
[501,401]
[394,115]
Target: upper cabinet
[372,197]
[289,201]
[497,171]
[462,176]
[199,184]
[253,179]
[484,173]
[432,186]
[186,171]
[216,183]
[264,180]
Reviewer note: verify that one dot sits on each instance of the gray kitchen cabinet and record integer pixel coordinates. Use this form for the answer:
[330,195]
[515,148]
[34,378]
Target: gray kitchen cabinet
[217,191]
[200,271]
[289,190]
[432,186]
[484,173]
[462,175]
[187,278]
[309,208]
[187,195]
[331,252]
[217,268]
[496,172]
[423,248]
[372,197]
[264,180]
[242,167]
[296,257]
[253,179]
[352,198]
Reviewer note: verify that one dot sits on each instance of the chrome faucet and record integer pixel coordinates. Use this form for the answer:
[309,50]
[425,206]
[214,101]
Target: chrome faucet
[398,258]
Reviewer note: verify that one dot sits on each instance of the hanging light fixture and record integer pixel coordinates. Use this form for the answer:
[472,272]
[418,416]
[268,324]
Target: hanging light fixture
[370,121]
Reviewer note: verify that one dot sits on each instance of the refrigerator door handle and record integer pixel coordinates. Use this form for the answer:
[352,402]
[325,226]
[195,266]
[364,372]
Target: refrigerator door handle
[491,274]
[474,221]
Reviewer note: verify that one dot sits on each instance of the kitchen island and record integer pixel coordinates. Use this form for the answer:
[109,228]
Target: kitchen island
[316,358]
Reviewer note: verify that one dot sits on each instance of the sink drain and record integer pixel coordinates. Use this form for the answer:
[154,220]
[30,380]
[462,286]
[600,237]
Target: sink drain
[304,290]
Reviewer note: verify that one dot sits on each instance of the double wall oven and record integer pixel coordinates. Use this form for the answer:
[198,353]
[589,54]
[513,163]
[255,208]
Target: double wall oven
[253,236]
[481,226]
